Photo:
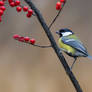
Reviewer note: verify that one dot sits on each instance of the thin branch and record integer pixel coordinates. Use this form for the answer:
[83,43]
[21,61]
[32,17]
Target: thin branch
[56,16]
[54,46]
[55,19]
[41,46]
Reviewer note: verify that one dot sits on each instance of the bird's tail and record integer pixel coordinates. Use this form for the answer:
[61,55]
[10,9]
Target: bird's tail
[90,57]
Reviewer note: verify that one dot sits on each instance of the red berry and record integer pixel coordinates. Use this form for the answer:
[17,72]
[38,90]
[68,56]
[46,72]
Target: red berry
[0,19]
[1,12]
[18,9]
[32,41]
[1,3]
[30,11]
[58,5]
[21,39]
[28,15]
[16,36]
[10,1]
[26,39]
[12,4]
[3,8]
[17,2]
[25,8]
[62,1]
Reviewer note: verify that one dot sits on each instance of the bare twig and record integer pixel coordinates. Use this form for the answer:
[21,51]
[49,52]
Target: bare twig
[54,46]
[42,46]
[55,19]
[56,16]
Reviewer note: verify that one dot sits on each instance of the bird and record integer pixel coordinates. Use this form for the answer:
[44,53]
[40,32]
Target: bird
[71,45]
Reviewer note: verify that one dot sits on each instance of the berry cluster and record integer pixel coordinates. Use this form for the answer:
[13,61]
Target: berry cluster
[59,4]
[2,9]
[29,12]
[19,7]
[17,4]
[24,39]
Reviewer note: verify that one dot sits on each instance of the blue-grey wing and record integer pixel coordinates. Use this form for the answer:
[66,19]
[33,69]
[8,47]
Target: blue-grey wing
[76,44]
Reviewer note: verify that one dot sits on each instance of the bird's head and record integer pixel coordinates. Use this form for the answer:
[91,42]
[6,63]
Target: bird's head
[64,32]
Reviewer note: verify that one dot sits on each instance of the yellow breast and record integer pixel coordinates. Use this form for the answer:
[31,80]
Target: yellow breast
[67,48]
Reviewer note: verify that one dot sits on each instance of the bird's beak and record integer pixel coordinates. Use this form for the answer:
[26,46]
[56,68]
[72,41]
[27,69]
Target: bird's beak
[57,32]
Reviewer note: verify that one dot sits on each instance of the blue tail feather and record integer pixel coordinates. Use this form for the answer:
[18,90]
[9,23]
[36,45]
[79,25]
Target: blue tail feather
[90,57]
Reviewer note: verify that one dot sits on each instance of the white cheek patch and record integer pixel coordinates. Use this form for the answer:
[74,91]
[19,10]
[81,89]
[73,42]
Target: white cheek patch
[66,33]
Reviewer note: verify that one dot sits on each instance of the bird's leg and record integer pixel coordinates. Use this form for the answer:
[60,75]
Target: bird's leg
[73,63]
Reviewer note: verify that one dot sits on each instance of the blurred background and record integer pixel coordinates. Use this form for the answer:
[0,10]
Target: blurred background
[24,68]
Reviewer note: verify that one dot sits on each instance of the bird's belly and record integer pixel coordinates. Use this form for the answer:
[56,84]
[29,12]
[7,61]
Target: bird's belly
[66,48]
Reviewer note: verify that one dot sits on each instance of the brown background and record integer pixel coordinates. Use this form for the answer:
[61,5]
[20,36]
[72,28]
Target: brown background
[24,68]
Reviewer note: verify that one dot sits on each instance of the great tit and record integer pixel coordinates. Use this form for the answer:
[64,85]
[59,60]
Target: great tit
[71,45]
